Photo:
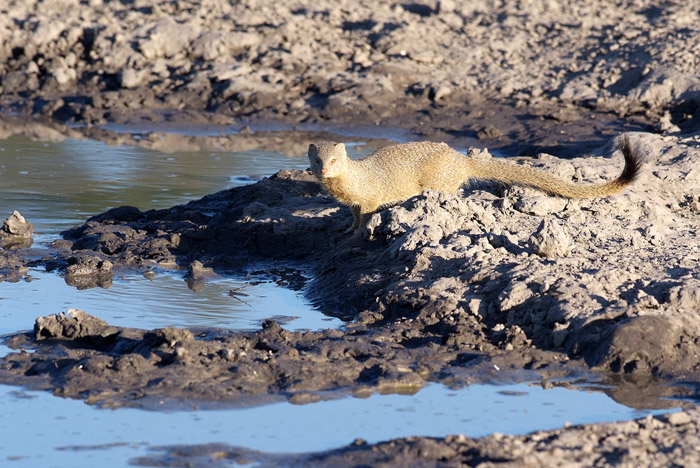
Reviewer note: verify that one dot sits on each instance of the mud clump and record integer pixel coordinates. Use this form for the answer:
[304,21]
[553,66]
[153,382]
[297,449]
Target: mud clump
[16,226]
[118,366]
[550,240]
[72,325]
[15,234]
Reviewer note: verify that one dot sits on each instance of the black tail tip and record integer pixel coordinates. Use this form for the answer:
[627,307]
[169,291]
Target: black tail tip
[634,158]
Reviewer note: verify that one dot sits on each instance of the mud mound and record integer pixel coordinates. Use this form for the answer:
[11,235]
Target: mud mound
[440,288]
[513,268]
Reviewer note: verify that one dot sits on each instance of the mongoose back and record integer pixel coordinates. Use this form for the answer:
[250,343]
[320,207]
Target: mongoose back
[396,173]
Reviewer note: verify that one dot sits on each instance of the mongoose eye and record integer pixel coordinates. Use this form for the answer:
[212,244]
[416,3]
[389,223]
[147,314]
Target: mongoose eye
[318,160]
[332,161]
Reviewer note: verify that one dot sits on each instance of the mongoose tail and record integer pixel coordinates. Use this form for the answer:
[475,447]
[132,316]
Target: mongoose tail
[513,174]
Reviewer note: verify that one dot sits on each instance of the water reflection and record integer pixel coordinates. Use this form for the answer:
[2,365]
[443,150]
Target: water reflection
[163,301]
[80,433]
[58,185]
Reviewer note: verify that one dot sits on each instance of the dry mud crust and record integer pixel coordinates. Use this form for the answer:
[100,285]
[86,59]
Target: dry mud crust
[651,442]
[424,65]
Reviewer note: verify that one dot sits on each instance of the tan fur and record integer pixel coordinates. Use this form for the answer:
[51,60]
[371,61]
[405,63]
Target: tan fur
[396,173]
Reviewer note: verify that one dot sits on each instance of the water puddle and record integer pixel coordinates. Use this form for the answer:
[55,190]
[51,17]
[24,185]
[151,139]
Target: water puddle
[74,434]
[163,301]
[59,185]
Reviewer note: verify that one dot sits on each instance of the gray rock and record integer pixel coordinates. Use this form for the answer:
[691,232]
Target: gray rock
[16,226]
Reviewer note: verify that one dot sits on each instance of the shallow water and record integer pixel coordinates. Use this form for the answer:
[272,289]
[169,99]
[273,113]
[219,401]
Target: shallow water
[74,434]
[164,301]
[59,185]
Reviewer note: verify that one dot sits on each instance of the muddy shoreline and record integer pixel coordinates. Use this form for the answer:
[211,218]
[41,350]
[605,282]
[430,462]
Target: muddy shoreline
[649,441]
[442,288]
[558,79]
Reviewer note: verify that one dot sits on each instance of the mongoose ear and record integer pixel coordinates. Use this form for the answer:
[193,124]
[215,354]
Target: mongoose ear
[313,148]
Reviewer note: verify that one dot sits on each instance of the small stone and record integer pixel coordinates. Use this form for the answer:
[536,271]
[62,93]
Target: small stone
[16,226]
[489,132]
[550,240]
[197,271]
[440,92]
[105,266]
[64,76]
[539,205]
[130,78]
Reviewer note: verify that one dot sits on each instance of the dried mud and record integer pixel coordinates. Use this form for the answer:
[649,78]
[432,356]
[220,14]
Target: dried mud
[492,284]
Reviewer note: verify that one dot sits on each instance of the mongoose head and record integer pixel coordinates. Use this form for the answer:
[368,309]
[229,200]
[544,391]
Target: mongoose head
[327,159]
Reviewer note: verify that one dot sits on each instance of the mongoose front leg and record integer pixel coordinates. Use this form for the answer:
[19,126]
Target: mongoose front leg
[363,214]
[364,219]
[356,217]
[360,218]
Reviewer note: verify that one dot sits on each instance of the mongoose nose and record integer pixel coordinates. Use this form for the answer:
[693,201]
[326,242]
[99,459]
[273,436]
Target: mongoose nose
[324,170]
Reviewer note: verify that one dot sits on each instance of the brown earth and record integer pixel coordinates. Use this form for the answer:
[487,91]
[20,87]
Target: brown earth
[441,288]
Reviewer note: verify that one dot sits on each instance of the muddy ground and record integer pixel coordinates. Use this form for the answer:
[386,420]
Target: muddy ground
[493,284]
[528,76]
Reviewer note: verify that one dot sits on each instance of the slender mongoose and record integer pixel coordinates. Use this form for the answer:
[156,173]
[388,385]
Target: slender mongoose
[396,173]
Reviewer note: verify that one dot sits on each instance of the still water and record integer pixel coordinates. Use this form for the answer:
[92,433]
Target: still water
[51,432]
[59,185]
